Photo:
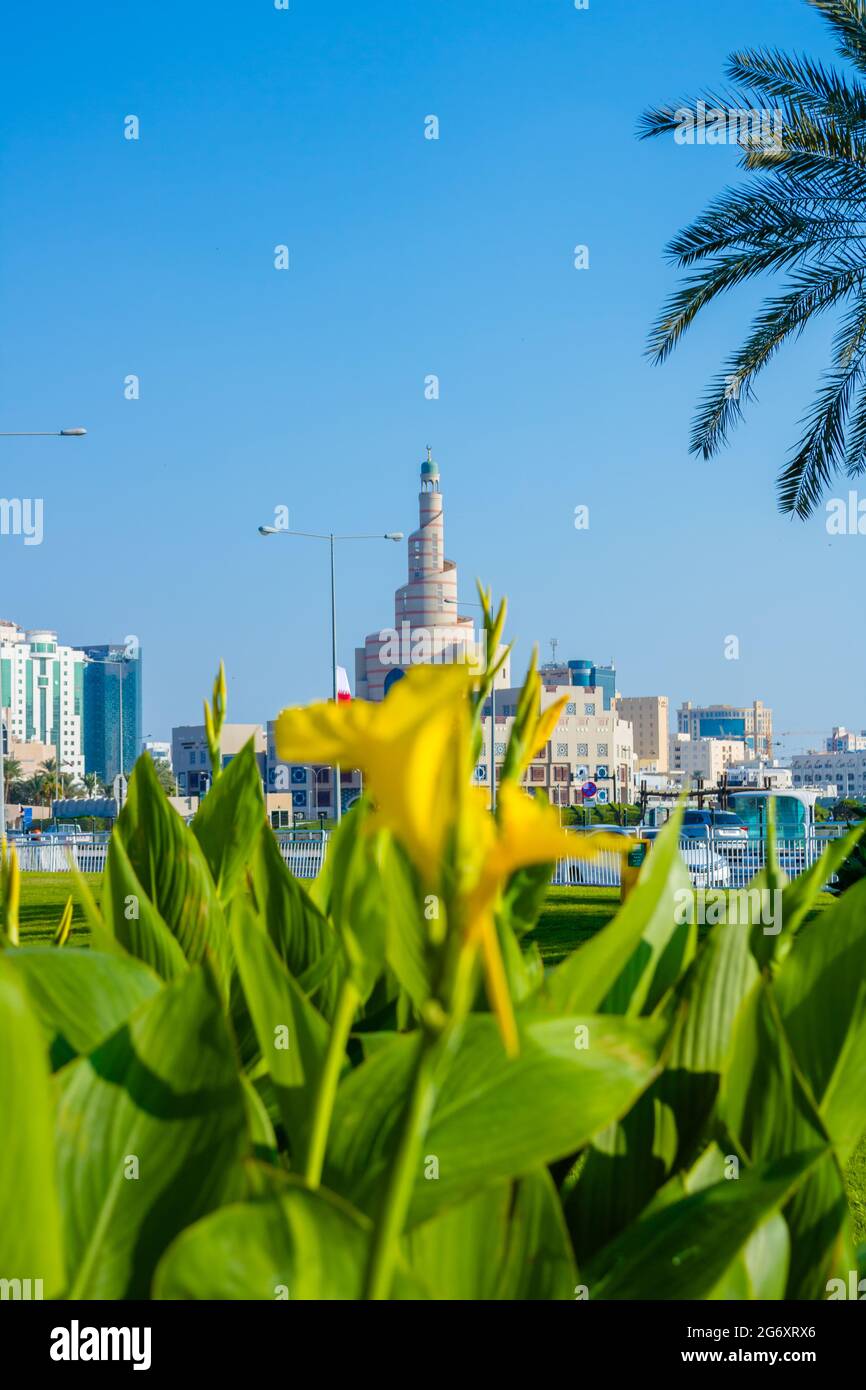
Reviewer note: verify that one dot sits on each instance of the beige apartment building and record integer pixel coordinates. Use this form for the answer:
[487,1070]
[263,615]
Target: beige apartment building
[705,757]
[649,716]
[589,744]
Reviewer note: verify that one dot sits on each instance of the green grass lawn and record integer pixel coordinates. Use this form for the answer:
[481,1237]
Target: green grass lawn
[570,917]
[43,897]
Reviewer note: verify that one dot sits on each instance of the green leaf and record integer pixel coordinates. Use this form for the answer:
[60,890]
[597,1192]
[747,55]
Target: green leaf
[292,1036]
[150,1128]
[297,1245]
[766,1106]
[81,997]
[683,1250]
[300,933]
[539,1262]
[494,1117]
[230,820]
[171,868]
[30,1236]
[821,993]
[350,891]
[627,952]
[407,933]
[133,922]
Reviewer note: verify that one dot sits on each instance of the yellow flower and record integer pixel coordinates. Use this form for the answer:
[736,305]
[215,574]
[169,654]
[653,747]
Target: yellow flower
[526,832]
[413,749]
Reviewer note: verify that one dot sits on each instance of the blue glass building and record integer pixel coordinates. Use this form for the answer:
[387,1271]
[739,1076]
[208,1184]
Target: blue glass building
[112,700]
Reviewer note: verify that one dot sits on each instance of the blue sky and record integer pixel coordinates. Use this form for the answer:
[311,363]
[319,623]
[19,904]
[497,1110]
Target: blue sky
[305,388]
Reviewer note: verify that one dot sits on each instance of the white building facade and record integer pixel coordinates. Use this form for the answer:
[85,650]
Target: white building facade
[42,693]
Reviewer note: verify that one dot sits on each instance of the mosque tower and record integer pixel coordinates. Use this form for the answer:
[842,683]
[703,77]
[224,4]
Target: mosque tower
[427,626]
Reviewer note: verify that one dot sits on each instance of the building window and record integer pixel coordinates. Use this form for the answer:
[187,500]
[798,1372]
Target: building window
[536,774]
[560,774]
[562,750]
[601,749]
[583,750]
[571,707]
[499,750]
[589,709]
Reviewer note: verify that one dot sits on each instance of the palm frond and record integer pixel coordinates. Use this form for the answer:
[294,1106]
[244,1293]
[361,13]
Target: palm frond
[799,81]
[822,449]
[782,318]
[847,18]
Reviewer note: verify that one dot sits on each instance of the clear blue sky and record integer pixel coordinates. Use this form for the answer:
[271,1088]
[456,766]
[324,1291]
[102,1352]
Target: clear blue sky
[408,257]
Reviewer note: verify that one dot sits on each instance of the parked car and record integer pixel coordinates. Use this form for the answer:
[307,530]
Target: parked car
[721,825]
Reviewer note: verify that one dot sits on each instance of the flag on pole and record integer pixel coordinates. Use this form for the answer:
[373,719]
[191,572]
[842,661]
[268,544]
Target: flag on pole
[344,694]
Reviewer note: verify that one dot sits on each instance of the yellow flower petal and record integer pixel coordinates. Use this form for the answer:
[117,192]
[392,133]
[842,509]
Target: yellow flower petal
[413,749]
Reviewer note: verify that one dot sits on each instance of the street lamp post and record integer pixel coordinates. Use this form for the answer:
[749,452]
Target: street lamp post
[42,434]
[330,537]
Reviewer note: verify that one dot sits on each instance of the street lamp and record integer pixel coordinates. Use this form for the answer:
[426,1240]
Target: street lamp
[38,434]
[330,537]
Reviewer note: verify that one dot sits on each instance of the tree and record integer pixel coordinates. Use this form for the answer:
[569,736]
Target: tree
[165,776]
[804,215]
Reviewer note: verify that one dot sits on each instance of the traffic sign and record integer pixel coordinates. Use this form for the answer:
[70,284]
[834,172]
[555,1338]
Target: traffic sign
[589,790]
[602,773]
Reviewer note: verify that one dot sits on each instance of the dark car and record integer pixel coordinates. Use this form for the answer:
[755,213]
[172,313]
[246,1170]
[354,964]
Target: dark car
[721,825]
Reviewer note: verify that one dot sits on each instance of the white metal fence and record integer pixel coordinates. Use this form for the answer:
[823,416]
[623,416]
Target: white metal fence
[304,857]
[717,862]
[49,857]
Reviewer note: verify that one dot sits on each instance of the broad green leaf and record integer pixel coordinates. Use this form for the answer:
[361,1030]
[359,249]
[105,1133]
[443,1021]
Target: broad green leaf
[292,1036]
[539,1262]
[766,1106]
[300,933]
[81,997]
[684,1249]
[134,923]
[407,921]
[760,1268]
[801,894]
[350,891]
[171,868]
[821,993]
[230,819]
[30,1236]
[626,1164]
[458,1254]
[494,1117]
[297,1245]
[150,1128]
[627,952]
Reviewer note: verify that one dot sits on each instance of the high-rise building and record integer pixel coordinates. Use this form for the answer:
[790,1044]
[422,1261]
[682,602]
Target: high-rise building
[589,673]
[649,717]
[428,627]
[751,724]
[42,695]
[112,708]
